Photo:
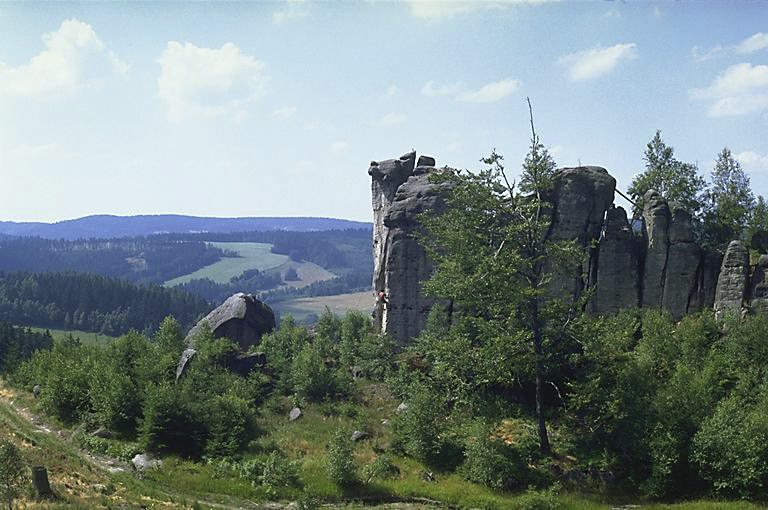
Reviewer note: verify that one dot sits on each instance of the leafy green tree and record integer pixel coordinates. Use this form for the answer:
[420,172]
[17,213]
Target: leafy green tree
[12,472]
[493,259]
[672,178]
[342,468]
[757,230]
[727,203]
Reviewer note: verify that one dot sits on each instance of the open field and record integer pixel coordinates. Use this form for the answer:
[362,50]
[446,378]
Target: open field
[86,337]
[299,308]
[252,256]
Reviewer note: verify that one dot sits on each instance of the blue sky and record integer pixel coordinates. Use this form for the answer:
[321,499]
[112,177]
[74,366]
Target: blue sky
[277,108]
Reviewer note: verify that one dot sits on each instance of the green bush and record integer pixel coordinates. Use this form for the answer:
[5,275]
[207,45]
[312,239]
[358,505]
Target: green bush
[171,424]
[341,466]
[273,471]
[493,463]
[731,449]
[419,431]
[381,468]
[539,500]
[230,425]
[13,477]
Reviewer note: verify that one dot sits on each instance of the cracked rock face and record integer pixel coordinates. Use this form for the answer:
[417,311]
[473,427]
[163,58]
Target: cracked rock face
[662,268]
[759,286]
[733,281]
[400,193]
[581,197]
[618,266]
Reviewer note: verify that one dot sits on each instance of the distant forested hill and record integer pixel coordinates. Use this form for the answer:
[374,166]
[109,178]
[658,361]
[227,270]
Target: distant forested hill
[108,226]
[95,303]
[139,260]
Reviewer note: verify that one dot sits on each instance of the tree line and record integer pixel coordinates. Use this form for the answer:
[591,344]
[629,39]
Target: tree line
[723,209]
[91,302]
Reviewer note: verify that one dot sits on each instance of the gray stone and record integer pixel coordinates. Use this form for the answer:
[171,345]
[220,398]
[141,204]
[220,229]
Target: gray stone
[145,461]
[295,414]
[400,194]
[580,197]
[425,161]
[37,390]
[359,435]
[402,407]
[356,372]
[759,287]
[242,318]
[656,217]
[732,284]
[682,265]
[103,433]
[618,266]
[186,355]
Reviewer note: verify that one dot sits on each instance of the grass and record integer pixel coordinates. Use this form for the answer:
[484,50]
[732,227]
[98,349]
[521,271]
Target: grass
[251,256]
[300,308]
[180,483]
[86,337]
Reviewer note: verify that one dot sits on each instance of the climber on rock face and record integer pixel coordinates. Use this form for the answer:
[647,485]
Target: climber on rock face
[382,298]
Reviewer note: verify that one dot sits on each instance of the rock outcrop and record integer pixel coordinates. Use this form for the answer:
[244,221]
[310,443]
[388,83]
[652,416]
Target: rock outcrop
[400,193]
[733,282]
[242,318]
[581,197]
[655,263]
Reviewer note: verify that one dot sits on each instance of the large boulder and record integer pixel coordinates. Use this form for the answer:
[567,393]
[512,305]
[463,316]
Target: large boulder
[242,318]
[732,284]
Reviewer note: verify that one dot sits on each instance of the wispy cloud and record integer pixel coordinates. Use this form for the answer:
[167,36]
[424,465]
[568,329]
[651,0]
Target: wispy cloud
[431,90]
[285,112]
[338,148]
[596,62]
[73,57]
[753,160]
[291,9]
[437,10]
[739,90]
[392,119]
[751,44]
[491,92]
[208,81]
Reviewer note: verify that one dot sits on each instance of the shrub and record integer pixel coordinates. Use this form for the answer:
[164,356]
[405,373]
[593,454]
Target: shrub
[341,466]
[170,424]
[493,463]
[230,424]
[381,468]
[12,472]
[539,500]
[313,379]
[731,448]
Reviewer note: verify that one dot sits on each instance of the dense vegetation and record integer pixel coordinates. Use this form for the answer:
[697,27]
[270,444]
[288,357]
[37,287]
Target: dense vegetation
[92,303]
[17,344]
[140,260]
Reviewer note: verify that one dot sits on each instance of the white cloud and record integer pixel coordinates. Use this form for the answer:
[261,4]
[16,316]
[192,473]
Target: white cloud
[73,57]
[491,92]
[751,44]
[700,54]
[392,119]
[208,81]
[338,148]
[291,10]
[391,91]
[430,90]
[437,9]
[285,112]
[588,64]
[756,42]
[739,90]
[753,160]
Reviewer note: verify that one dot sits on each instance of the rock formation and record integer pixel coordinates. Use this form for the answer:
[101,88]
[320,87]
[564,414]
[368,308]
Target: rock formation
[242,318]
[733,282]
[657,266]
[400,193]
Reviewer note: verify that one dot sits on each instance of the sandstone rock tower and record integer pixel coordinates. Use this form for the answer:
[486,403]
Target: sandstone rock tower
[653,263]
